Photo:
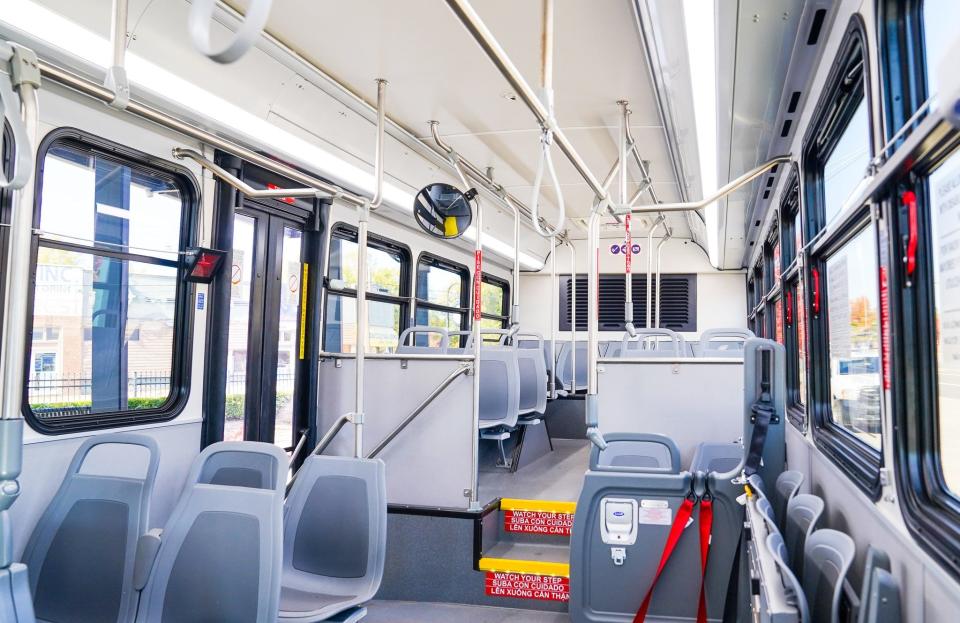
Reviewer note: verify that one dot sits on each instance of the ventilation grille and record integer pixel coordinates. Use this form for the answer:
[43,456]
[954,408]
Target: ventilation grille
[678,309]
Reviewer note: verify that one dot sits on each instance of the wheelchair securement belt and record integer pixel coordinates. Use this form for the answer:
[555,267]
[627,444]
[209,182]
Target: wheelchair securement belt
[676,531]
[762,415]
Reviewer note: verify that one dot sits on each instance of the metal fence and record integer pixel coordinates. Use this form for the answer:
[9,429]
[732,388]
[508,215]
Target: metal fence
[69,389]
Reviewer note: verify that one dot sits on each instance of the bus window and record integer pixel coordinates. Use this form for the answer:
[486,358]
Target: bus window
[847,163]
[944,197]
[854,337]
[387,264]
[939,33]
[495,303]
[441,297]
[108,308]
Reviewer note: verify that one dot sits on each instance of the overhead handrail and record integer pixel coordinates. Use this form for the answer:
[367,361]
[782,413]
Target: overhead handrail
[23,74]
[544,158]
[200,20]
[463,368]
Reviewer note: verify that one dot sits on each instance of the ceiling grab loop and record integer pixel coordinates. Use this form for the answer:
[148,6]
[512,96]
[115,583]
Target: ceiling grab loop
[200,20]
[19,77]
[545,159]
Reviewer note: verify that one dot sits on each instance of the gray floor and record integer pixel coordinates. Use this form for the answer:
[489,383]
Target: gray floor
[555,476]
[522,550]
[411,612]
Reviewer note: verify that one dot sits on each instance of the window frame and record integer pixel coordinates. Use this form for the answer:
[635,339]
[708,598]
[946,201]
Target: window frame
[348,232]
[930,509]
[836,108]
[504,285]
[181,347]
[436,261]
[791,275]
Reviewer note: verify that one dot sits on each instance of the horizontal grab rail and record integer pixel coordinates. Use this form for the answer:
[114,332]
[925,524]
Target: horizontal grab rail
[463,369]
[397,356]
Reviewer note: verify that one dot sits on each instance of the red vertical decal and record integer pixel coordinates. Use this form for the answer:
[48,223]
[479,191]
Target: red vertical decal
[477,280]
[885,326]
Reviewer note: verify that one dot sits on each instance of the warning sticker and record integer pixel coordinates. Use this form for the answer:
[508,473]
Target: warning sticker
[527,586]
[655,512]
[537,522]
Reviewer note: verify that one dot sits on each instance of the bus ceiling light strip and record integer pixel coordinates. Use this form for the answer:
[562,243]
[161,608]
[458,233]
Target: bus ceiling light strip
[200,22]
[698,22]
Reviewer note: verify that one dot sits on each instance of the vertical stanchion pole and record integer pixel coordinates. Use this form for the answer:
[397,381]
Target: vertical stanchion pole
[363,217]
[554,321]
[573,308]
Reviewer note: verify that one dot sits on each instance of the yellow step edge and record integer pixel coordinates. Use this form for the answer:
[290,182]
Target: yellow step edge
[542,506]
[534,567]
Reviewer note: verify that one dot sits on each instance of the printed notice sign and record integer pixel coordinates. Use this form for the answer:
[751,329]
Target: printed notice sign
[527,586]
[654,513]
[537,522]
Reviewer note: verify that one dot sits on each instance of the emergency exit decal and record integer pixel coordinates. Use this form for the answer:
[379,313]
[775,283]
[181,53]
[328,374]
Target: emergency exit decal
[537,522]
[527,586]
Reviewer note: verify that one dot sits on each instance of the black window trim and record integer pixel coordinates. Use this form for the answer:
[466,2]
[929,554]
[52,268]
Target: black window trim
[903,85]
[431,259]
[860,461]
[345,231]
[182,355]
[930,511]
[503,284]
[838,102]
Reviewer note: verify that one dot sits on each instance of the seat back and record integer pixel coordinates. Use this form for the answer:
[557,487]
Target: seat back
[756,483]
[335,527]
[633,452]
[787,485]
[880,594]
[81,554]
[533,373]
[826,560]
[653,343]
[421,345]
[722,342]
[464,342]
[766,510]
[803,518]
[793,590]
[717,457]
[499,386]
[568,378]
[220,555]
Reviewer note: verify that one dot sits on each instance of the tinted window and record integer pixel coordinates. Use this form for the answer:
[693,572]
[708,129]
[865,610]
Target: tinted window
[847,163]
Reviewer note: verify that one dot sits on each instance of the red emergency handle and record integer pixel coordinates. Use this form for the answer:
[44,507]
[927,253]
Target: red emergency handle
[815,274]
[789,308]
[909,199]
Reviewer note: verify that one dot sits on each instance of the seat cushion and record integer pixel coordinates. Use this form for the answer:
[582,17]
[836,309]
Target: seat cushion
[296,602]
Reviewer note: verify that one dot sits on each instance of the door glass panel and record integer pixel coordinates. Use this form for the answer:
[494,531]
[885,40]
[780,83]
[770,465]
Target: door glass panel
[240,295]
[853,320]
[287,341]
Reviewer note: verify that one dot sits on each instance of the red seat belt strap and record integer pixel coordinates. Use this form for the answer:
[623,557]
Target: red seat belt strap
[676,530]
[706,527]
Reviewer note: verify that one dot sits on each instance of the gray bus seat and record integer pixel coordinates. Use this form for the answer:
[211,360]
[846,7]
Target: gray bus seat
[81,555]
[756,483]
[464,342]
[219,557]
[420,346]
[717,457]
[723,342]
[880,595]
[533,374]
[634,452]
[804,512]
[334,538]
[793,591]
[653,343]
[565,374]
[499,387]
[769,517]
[787,485]
[826,560]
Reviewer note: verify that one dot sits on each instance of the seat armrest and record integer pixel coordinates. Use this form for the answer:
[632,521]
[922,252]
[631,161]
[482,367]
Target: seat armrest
[147,547]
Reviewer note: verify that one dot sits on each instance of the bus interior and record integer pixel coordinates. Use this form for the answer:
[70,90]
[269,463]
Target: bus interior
[537,311]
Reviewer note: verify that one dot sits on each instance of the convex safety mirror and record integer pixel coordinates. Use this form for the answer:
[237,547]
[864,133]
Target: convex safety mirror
[443,210]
